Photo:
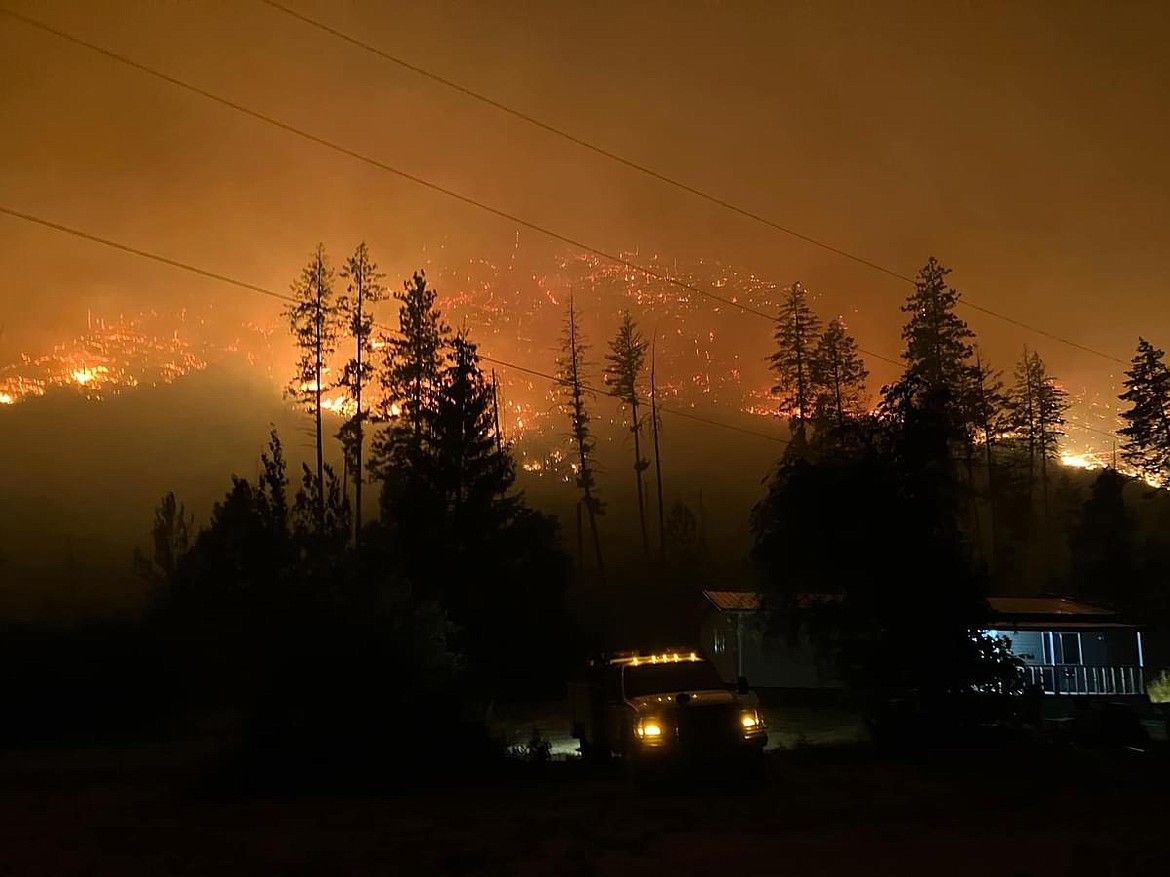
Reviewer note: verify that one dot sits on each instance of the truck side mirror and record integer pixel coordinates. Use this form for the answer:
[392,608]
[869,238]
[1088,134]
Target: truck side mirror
[741,685]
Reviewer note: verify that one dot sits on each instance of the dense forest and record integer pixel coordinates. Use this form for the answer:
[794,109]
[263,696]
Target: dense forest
[416,576]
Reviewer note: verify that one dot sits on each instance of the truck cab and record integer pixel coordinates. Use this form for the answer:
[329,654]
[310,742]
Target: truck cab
[663,707]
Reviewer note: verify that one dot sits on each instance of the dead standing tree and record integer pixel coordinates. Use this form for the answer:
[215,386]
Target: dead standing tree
[569,377]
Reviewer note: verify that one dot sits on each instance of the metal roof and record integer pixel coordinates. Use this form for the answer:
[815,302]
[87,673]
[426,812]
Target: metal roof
[1045,606]
[1084,624]
[1017,610]
[734,601]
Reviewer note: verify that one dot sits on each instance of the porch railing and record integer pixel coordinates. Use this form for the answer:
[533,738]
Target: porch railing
[1085,679]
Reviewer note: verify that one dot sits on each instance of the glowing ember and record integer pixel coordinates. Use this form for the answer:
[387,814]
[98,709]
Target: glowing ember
[6,399]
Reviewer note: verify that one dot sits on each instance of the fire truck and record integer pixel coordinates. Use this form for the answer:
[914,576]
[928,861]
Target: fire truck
[658,709]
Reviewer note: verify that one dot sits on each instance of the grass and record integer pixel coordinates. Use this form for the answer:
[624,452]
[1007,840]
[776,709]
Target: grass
[797,727]
[824,810]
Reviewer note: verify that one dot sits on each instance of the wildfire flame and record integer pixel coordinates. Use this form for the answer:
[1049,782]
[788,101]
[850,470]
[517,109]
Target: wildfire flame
[340,405]
[84,376]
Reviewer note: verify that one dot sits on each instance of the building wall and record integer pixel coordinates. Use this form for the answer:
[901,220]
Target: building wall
[1096,647]
[717,640]
[1027,644]
[768,662]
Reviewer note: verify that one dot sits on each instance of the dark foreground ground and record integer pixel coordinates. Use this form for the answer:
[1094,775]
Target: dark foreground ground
[994,810]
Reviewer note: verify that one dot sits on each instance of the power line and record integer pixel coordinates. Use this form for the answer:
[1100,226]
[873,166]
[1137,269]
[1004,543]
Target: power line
[662,177]
[603,392]
[1043,332]
[611,257]
[578,141]
[251,287]
[373,162]
[174,263]
[1087,428]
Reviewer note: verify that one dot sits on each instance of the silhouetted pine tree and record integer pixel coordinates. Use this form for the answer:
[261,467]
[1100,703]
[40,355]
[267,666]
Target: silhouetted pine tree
[899,561]
[839,375]
[413,358]
[797,329]
[232,588]
[655,427]
[467,464]
[171,538]
[457,531]
[626,359]
[320,547]
[570,367]
[1103,544]
[286,621]
[938,343]
[314,321]
[364,288]
[987,414]
[412,363]
[988,404]
[1146,437]
[1036,408]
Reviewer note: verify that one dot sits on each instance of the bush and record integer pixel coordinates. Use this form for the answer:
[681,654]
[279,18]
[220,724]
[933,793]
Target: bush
[1158,689]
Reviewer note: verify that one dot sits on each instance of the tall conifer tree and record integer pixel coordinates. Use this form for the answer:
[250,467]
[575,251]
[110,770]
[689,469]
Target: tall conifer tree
[1146,436]
[570,374]
[839,375]
[797,330]
[364,288]
[313,320]
[627,358]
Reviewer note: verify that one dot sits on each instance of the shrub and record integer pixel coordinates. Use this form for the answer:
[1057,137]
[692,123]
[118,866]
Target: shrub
[1159,688]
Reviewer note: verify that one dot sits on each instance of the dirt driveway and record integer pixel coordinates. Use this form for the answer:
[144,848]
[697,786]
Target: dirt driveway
[820,812]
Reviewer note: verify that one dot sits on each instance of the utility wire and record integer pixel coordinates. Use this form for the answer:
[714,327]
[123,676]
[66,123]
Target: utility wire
[616,259]
[605,392]
[662,177]
[578,141]
[373,162]
[126,248]
[251,287]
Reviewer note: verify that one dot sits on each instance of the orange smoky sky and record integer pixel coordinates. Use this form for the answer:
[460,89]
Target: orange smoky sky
[1023,144]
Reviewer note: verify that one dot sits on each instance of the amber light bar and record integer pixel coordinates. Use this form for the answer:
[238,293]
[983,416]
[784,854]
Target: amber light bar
[658,658]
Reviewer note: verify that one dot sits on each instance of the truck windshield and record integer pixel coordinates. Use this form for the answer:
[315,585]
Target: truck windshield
[669,678]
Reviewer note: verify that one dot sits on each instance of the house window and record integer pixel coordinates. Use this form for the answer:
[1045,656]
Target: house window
[1063,648]
[720,640]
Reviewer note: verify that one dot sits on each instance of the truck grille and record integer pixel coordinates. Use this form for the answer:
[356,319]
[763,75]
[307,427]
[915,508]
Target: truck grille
[703,727]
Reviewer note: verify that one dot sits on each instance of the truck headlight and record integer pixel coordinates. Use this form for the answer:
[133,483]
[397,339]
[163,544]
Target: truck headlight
[649,728]
[751,720]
